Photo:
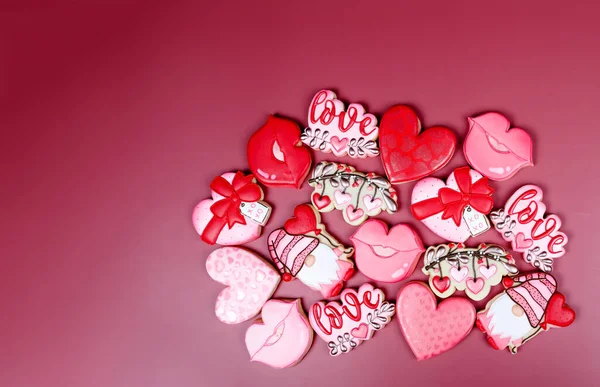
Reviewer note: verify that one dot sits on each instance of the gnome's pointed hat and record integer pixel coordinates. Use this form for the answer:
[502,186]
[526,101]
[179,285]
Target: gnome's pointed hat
[532,293]
[290,251]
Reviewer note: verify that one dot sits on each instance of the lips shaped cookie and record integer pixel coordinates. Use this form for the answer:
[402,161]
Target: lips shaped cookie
[496,150]
[250,283]
[409,154]
[276,155]
[387,256]
[282,336]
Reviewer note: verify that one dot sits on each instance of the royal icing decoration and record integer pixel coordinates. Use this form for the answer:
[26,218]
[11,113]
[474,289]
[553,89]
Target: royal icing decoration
[522,222]
[454,267]
[303,249]
[333,129]
[430,329]
[344,326]
[357,195]
[235,214]
[454,210]
[250,283]
[496,150]
[282,336]
[276,155]
[409,154]
[386,256]
[528,306]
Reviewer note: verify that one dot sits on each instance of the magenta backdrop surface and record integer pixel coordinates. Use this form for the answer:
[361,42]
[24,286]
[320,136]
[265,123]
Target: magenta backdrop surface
[115,119]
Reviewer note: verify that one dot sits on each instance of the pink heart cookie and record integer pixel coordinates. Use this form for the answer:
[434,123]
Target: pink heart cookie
[282,336]
[431,329]
[250,283]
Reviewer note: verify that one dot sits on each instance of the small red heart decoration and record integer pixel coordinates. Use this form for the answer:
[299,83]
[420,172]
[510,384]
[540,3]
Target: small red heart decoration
[305,220]
[409,154]
[558,312]
[320,201]
[441,283]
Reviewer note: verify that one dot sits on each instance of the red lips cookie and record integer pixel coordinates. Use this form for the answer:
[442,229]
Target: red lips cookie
[409,154]
[276,155]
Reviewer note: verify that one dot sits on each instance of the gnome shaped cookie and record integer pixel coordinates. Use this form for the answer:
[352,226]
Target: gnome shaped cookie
[303,249]
[528,306]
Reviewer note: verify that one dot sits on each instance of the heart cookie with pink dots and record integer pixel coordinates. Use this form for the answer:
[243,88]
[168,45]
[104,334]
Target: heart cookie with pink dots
[250,283]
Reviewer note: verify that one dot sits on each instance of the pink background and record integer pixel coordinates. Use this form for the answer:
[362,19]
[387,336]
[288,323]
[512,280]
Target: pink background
[115,120]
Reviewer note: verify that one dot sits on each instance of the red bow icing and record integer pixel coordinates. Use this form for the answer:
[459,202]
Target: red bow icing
[227,210]
[478,195]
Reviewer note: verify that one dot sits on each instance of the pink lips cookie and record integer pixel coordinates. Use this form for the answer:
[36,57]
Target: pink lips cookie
[387,256]
[496,150]
[282,336]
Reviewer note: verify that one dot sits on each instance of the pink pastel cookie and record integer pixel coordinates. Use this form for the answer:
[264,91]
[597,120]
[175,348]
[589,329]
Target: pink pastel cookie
[431,329]
[250,283]
[441,206]
[236,213]
[496,150]
[345,326]
[282,336]
[387,256]
[331,128]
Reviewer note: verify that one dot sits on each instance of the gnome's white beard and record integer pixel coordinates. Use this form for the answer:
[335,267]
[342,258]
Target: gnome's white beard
[504,323]
[323,271]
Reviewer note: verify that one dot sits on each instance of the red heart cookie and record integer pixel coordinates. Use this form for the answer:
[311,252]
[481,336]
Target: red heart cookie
[276,155]
[305,220]
[407,153]
[559,313]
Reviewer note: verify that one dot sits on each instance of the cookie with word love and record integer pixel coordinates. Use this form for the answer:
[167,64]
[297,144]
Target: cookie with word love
[495,149]
[344,326]
[431,329]
[282,336]
[529,306]
[303,249]
[250,282]
[276,154]
[357,195]
[454,210]
[454,267]
[331,128]
[236,213]
[523,223]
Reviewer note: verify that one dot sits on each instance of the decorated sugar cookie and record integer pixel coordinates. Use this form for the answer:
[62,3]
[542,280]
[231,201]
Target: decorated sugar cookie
[523,223]
[408,153]
[386,256]
[357,195]
[454,267]
[250,283]
[454,210]
[303,249]
[282,336]
[528,306]
[431,329]
[276,155]
[236,213]
[331,128]
[495,149]
[344,326]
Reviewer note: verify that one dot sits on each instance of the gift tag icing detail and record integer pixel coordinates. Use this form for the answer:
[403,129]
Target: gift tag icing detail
[528,306]
[351,132]
[523,223]
[357,195]
[282,336]
[276,155]
[221,220]
[303,249]
[441,206]
[387,256]
[256,211]
[494,149]
[477,222]
[454,267]
[250,283]
[344,326]
[431,329]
